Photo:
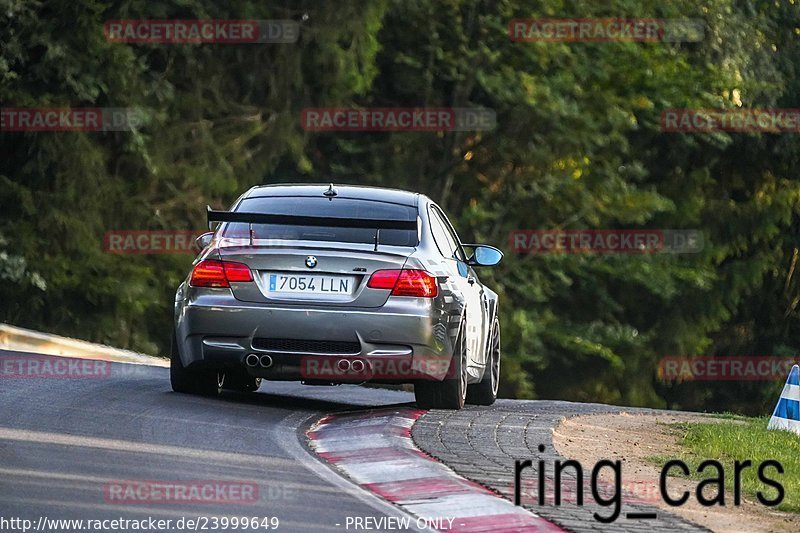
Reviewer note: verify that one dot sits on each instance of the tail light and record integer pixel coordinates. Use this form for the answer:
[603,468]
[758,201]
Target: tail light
[406,282]
[212,273]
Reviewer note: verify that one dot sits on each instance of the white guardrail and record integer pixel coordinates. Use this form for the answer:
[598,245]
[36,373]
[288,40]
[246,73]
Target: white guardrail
[27,340]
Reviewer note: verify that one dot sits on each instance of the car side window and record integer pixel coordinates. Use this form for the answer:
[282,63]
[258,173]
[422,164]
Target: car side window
[444,236]
[440,236]
[452,238]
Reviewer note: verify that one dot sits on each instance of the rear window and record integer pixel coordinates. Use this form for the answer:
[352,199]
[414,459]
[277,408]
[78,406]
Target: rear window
[324,207]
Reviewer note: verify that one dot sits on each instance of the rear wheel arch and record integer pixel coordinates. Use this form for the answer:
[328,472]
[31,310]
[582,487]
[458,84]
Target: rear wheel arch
[451,392]
[485,391]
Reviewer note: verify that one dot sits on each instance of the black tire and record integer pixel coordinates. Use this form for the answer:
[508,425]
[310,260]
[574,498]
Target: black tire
[450,393]
[239,380]
[192,381]
[485,391]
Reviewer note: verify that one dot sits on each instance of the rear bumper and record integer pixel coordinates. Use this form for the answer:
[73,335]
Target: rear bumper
[405,340]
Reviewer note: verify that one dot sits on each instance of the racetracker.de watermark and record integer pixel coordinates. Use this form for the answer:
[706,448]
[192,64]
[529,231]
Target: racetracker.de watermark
[383,367]
[568,492]
[606,30]
[46,367]
[195,491]
[398,119]
[70,119]
[142,523]
[586,241]
[151,241]
[724,368]
[218,31]
[731,120]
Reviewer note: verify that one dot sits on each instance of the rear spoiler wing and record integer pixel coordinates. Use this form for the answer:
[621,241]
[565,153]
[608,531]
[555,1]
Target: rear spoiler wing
[306,220]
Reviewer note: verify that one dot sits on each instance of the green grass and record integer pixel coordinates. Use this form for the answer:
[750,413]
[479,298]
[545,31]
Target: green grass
[741,438]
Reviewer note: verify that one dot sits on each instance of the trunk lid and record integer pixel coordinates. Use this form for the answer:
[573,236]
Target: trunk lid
[327,274]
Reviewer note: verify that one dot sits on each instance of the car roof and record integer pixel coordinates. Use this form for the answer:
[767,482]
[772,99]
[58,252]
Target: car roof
[360,192]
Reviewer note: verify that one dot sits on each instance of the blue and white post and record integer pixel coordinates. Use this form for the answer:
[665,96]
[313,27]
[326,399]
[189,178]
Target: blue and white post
[787,412]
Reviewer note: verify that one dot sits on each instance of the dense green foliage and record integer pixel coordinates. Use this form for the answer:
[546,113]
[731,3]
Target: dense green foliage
[577,145]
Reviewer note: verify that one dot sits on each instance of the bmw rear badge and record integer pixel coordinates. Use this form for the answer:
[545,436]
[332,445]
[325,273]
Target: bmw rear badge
[311,261]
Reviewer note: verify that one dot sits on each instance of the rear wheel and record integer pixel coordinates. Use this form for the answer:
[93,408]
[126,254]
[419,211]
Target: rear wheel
[451,392]
[485,392]
[207,382]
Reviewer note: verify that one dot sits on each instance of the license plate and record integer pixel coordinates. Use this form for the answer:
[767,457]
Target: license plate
[310,284]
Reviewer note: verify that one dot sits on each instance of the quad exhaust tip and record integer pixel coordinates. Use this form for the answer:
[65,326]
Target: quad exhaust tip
[356,366]
[253,360]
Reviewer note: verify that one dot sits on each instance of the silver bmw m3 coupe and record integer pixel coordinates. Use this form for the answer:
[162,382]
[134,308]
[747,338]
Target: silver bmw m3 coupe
[329,284]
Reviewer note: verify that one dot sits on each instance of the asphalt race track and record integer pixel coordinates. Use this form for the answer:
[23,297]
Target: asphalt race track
[67,443]
[63,440]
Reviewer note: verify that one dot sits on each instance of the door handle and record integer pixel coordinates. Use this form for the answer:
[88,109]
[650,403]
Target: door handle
[471,280]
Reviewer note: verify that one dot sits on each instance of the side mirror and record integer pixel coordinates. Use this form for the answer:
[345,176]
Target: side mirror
[483,255]
[203,240]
